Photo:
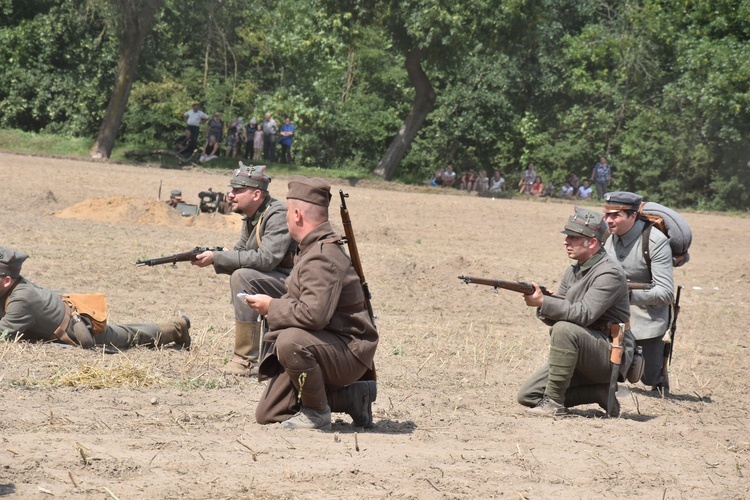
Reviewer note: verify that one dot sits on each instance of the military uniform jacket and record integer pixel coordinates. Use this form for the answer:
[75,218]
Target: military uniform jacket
[324,293]
[649,309]
[270,220]
[31,310]
[594,291]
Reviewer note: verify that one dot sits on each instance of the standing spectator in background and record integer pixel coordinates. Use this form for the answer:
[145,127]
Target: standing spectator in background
[527,179]
[210,150]
[232,139]
[250,137]
[258,141]
[194,118]
[602,177]
[497,182]
[287,136]
[215,128]
[584,192]
[270,129]
[449,176]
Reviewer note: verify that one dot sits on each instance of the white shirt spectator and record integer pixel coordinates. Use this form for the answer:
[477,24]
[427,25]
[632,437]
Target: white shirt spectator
[195,118]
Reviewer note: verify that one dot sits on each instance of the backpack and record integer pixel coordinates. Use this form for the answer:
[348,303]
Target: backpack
[674,227]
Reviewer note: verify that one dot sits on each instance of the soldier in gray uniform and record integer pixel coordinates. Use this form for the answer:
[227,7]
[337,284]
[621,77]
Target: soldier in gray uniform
[649,309]
[259,263]
[594,298]
[37,314]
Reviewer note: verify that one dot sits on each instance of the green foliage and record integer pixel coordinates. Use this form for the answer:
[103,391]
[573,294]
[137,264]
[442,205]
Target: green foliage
[661,88]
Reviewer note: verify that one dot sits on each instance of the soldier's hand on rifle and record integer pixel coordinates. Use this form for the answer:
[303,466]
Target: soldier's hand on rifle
[259,302]
[535,299]
[204,259]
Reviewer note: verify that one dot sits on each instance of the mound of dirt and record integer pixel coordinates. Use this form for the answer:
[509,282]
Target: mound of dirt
[126,209]
[123,209]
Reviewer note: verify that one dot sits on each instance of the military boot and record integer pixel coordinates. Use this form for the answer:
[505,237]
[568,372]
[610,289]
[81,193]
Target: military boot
[244,363]
[177,331]
[356,400]
[309,418]
[589,394]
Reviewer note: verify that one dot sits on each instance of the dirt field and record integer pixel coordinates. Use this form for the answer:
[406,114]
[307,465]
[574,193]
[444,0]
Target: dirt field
[167,424]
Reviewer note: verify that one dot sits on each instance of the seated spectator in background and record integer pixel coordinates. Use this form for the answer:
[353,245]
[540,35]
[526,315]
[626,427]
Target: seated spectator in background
[215,128]
[497,182]
[482,183]
[435,181]
[537,187]
[449,176]
[574,182]
[566,191]
[527,179]
[549,189]
[210,151]
[183,143]
[584,192]
[232,139]
[175,197]
[468,180]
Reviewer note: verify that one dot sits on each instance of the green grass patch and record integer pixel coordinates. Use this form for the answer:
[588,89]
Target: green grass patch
[31,142]
[54,145]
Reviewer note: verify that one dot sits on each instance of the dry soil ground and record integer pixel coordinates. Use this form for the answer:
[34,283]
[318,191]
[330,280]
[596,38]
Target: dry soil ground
[167,424]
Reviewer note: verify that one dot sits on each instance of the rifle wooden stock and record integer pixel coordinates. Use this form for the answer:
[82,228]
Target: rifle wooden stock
[178,257]
[515,286]
[354,253]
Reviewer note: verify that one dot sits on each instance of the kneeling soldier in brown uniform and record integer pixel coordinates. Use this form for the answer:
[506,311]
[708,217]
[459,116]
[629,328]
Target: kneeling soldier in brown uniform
[594,297]
[324,339]
[38,314]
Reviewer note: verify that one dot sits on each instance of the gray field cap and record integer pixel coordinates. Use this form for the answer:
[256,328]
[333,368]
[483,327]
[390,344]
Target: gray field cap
[11,262]
[588,223]
[621,200]
[252,176]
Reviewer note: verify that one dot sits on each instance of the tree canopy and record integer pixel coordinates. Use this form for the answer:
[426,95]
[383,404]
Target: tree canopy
[661,88]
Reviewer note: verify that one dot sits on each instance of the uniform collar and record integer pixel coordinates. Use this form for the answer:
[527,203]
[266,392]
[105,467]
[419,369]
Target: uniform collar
[628,238]
[593,260]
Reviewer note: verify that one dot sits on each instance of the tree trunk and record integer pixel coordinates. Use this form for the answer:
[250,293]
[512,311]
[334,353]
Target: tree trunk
[424,103]
[137,18]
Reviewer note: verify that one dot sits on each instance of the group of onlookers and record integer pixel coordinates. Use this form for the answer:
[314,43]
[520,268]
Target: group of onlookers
[530,184]
[470,181]
[260,139]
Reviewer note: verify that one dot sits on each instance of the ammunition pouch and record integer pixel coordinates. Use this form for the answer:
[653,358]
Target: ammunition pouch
[92,307]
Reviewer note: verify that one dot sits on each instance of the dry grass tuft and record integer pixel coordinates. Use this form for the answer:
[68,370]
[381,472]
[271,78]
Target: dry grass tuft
[100,377]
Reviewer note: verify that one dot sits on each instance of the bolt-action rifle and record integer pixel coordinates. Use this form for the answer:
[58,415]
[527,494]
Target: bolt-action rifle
[527,288]
[178,257]
[354,253]
[669,341]
[515,286]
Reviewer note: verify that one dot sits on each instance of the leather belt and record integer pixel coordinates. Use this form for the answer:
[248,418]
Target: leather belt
[608,327]
[355,308]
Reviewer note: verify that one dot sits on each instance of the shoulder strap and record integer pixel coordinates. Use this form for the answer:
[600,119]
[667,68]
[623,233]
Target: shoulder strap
[645,244]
